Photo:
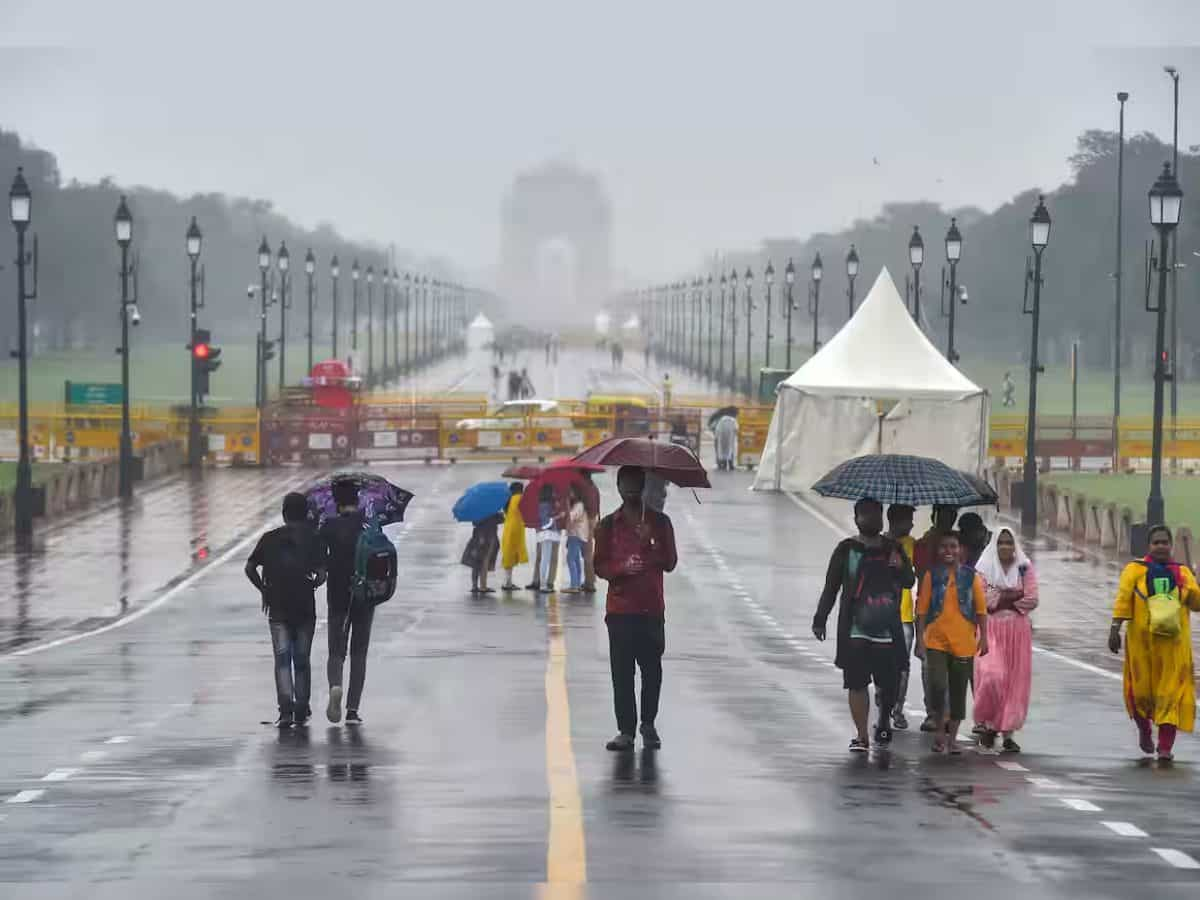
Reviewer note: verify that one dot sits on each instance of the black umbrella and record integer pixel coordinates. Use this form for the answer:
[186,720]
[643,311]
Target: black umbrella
[911,480]
[721,413]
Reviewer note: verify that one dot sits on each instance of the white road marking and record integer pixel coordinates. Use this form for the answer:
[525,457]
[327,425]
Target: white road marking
[119,739]
[1011,766]
[1125,829]
[26,796]
[60,774]
[1177,858]
[1079,805]
[1043,782]
[93,755]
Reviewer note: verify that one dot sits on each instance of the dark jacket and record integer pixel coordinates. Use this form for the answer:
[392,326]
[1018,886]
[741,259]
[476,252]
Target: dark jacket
[835,582]
[340,535]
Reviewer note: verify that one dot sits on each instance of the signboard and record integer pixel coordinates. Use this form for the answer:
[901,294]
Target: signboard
[92,393]
[320,442]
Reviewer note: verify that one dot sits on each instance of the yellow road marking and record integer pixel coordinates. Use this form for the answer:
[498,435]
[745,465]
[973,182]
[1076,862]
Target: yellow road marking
[566,855]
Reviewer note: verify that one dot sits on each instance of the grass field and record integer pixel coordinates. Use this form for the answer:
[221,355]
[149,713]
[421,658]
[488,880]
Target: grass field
[1181,492]
[8,474]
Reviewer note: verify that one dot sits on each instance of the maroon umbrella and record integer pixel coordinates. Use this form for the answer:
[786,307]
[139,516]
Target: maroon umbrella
[523,472]
[675,463]
[560,479]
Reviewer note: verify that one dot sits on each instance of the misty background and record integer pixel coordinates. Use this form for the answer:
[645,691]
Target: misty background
[721,134]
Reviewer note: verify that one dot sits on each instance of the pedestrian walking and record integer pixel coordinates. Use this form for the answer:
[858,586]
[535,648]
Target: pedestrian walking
[481,551]
[512,538]
[514,384]
[589,551]
[869,571]
[349,622]
[1155,596]
[973,537]
[925,552]
[1008,390]
[666,391]
[951,629]
[526,390]
[549,534]
[900,526]
[1004,677]
[579,532]
[635,546]
[292,564]
[725,433]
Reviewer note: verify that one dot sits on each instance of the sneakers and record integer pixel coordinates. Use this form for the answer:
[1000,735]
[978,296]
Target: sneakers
[301,719]
[620,743]
[650,738]
[333,712]
[898,721]
[857,746]
[284,722]
[1011,746]
[352,717]
[883,735]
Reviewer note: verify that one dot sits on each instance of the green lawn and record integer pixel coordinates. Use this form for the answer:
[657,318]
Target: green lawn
[8,474]
[1181,492]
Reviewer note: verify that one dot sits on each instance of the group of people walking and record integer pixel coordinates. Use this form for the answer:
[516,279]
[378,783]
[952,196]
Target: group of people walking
[967,623]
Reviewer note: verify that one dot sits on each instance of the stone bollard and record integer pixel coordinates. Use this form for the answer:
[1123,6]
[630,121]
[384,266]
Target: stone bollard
[1123,535]
[1110,527]
[1094,526]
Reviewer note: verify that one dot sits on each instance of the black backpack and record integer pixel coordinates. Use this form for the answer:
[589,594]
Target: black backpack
[876,592]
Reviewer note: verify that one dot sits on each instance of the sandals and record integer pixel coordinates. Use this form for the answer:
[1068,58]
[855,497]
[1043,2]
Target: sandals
[938,746]
[857,746]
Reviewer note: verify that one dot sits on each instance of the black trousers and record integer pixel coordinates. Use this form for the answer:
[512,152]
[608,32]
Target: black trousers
[349,628]
[635,641]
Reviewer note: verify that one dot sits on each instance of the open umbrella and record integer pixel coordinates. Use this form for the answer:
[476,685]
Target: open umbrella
[674,462]
[911,480]
[721,413]
[482,500]
[560,479]
[523,472]
[378,498]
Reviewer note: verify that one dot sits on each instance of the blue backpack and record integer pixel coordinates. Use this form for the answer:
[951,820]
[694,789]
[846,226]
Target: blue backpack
[374,566]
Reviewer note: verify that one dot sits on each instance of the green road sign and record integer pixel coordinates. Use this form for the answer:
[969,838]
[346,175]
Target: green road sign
[92,393]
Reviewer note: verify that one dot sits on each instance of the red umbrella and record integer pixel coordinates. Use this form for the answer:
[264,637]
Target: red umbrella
[675,463]
[523,473]
[560,479]
[570,463]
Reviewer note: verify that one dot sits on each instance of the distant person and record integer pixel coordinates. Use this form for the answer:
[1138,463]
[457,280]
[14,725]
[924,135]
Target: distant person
[549,534]
[725,432]
[349,622]
[870,572]
[973,536]
[481,551]
[1004,678]
[514,385]
[900,526]
[635,546]
[292,564]
[1156,596]
[527,390]
[1008,390]
[579,533]
[951,630]
[647,349]
[666,390]
[512,539]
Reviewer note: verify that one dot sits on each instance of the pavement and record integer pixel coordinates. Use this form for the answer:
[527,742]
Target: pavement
[135,760]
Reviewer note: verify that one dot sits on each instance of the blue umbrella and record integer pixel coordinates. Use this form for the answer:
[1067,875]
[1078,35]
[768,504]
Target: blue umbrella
[911,480]
[482,500]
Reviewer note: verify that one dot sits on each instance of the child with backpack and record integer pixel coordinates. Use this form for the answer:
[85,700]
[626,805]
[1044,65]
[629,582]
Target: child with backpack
[292,564]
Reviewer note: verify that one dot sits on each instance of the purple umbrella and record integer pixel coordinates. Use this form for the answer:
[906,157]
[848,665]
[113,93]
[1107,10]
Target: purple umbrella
[378,498]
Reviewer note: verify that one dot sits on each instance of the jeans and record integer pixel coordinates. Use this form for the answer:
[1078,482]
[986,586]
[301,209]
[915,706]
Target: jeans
[293,676]
[635,641]
[349,626]
[546,575]
[575,560]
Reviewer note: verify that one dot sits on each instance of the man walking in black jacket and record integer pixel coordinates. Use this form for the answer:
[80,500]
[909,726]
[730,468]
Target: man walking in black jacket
[349,622]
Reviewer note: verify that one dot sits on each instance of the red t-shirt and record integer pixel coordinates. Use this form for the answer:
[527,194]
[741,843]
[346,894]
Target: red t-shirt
[618,544]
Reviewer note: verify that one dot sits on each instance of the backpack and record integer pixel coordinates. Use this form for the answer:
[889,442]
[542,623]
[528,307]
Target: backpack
[374,566]
[1163,605]
[876,593]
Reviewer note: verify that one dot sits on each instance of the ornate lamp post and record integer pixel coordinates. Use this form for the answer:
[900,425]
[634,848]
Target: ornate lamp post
[264,266]
[123,226]
[192,242]
[953,253]
[769,278]
[20,213]
[789,276]
[916,257]
[749,329]
[1039,237]
[310,269]
[851,274]
[283,261]
[334,271]
[818,272]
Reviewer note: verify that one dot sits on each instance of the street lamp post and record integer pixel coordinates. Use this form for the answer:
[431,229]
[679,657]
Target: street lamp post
[789,276]
[749,329]
[407,322]
[20,212]
[192,242]
[818,272]
[733,336]
[123,225]
[283,261]
[370,326]
[1122,96]
[1166,204]
[953,254]
[708,347]
[395,323]
[696,322]
[916,258]
[354,275]
[264,266]
[721,339]
[1039,237]
[334,271]
[851,274]
[769,277]
[385,279]
[310,268]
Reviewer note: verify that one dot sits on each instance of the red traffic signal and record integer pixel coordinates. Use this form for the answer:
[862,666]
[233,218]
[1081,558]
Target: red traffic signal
[200,351]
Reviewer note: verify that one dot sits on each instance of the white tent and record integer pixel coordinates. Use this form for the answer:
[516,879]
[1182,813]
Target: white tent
[878,386]
[480,332]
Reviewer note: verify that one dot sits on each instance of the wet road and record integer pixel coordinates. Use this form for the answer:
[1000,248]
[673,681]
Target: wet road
[135,763]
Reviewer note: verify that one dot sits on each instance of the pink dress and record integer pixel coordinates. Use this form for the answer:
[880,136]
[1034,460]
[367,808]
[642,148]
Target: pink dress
[1004,677]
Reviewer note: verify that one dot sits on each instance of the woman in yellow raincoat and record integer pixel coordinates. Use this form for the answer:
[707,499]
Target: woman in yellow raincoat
[512,539]
[1155,596]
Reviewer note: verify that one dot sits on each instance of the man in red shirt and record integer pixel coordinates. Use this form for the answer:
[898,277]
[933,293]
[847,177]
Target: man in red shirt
[634,547]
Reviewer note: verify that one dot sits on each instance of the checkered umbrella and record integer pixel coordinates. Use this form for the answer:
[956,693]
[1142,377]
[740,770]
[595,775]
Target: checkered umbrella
[912,480]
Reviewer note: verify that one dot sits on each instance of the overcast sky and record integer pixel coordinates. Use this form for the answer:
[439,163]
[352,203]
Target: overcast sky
[713,125]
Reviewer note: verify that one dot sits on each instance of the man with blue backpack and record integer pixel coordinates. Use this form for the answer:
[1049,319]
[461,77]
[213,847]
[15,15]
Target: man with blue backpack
[362,574]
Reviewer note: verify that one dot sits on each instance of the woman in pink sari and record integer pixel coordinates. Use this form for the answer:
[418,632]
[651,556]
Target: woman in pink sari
[1003,678]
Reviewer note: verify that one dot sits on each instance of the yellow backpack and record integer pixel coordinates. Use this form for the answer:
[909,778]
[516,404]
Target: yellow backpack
[1164,608]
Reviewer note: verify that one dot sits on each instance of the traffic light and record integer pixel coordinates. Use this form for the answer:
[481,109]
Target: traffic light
[205,358]
[268,350]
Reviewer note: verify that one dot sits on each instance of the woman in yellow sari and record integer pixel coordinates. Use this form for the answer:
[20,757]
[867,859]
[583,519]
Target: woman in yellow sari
[512,539]
[1155,596]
